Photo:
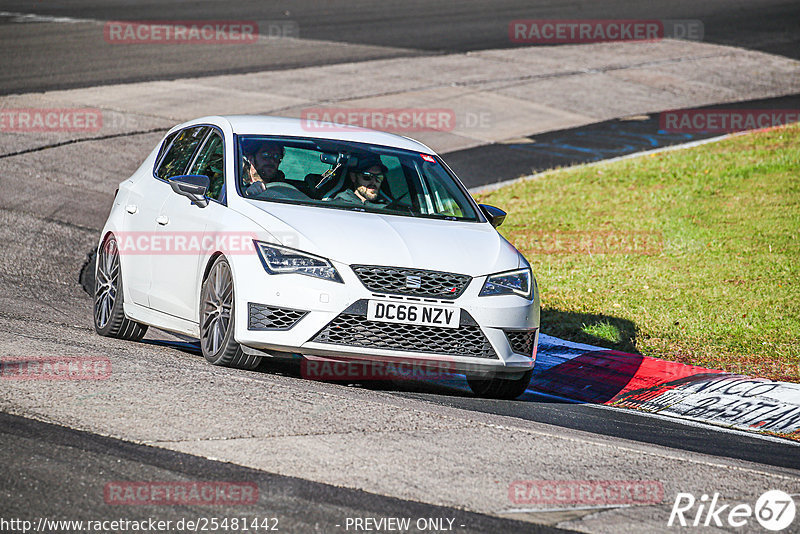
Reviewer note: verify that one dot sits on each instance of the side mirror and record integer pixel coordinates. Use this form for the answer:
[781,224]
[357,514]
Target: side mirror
[192,186]
[496,216]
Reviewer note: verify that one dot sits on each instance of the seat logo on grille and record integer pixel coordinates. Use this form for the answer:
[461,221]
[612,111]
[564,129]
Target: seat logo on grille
[413,282]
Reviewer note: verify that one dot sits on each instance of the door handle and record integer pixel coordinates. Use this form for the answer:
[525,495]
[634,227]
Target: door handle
[163,220]
[131,208]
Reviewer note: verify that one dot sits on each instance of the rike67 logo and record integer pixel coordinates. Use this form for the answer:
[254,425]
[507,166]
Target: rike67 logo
[774,510]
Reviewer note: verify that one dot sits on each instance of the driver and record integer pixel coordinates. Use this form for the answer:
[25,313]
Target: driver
[365,182]
[261,167]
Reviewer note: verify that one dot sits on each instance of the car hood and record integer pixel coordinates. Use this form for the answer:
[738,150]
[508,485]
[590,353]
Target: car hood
[375,239]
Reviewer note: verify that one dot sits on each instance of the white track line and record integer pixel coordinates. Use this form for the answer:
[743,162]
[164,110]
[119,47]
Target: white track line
[23,18]
[576,508]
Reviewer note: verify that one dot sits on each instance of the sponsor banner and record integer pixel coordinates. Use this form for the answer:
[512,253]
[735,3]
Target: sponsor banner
[586,492]
[387,119]
[563,31]
[180,493]
[55,368]
[732,400]
[182,32]
[313,368]
[725,120]
[48,120]
[591,374]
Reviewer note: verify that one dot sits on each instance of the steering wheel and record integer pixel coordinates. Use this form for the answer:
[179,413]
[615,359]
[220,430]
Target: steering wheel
[280,185]
[280,188]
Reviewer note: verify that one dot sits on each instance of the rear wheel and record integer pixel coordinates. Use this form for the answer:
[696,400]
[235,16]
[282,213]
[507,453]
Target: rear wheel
[109,316]
[498,387]
[217,320]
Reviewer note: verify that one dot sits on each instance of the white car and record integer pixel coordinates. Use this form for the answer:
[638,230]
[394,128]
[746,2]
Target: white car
[263,236]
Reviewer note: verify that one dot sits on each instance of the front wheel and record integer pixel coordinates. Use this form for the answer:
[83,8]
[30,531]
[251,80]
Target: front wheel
[217,320]
[498,387]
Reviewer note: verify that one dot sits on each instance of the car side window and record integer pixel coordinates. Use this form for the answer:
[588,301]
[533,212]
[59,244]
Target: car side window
[211,162]
[165,145]
[396,184]
[179,154]
[442,194]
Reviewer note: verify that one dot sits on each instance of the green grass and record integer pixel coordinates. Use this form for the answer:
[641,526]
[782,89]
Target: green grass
[691,255]
[603,330]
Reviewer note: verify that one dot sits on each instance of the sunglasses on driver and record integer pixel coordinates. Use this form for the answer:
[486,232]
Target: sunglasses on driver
[271,155]
[370,177]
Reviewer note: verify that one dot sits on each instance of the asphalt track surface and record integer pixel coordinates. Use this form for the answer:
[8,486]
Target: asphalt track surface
[542,408]
[55,472]
[50,469]
[499,162]
[626,424]
[42,54]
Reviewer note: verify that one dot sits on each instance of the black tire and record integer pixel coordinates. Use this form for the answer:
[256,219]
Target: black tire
[217,320]
[498,387]
[108,312]
[86,276]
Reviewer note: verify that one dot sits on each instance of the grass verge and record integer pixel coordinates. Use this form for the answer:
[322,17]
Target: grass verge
[691,255]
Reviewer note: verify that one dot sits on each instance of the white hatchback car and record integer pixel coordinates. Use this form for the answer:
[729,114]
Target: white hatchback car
[263,236]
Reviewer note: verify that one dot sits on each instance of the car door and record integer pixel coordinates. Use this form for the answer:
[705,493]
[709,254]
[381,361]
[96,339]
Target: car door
[143,207]
[145,196]
[182,224]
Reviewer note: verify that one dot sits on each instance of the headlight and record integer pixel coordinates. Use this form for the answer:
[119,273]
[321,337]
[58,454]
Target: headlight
[509,283]
[283,260]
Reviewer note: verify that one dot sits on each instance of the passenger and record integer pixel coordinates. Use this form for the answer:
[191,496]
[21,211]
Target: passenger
[365,182]
[261,167]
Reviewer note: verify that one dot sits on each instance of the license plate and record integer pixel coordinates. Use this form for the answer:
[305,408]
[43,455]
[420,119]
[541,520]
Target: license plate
[419,314]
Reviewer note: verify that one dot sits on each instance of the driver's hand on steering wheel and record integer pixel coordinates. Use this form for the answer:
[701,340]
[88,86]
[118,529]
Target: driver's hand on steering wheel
[254,184]
[255,188]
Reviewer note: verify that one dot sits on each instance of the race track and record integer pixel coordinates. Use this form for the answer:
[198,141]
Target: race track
[322,452]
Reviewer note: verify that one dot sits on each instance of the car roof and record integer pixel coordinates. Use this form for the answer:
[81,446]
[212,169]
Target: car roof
[293,127]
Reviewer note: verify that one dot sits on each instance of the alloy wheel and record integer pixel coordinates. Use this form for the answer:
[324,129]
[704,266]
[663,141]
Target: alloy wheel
[217,306]
[106,283]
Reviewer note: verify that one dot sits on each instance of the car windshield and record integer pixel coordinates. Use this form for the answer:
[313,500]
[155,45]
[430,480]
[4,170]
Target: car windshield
[350,176]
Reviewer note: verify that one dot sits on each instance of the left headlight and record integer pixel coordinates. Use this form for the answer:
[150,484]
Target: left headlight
[284,260]
[516,282]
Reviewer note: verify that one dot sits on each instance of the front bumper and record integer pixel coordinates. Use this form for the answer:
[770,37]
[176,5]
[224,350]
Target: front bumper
[294,313]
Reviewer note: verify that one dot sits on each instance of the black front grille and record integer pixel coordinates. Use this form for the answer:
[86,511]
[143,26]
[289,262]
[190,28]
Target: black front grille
[356,330]
[416,282]
[261,317]
[522,341]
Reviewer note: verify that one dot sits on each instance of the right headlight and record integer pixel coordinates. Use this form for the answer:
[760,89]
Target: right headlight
[283,260]
[517,282]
